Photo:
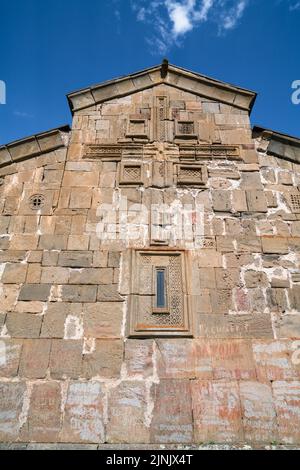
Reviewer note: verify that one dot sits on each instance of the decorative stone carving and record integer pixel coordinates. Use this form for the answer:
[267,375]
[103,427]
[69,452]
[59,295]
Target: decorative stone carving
[191,175]
[148,317]
[196,152]
[137,127]
[130,174]
[185,130]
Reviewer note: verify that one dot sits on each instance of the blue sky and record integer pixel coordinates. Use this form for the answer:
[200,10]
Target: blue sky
[50,48]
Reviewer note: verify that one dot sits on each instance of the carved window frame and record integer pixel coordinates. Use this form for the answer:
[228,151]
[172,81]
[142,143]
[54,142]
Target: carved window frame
[181,180]
[138,327]
[179,134]
[123,180]
[143,135]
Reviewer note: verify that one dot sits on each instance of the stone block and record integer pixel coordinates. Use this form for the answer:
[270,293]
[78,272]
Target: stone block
[80,198]
[23,325]
[84,413]
[277,299]
[75,259]
[259,415]
[239,201]
[24,241]
[109,293]
[225,244]
[114,258]
[237,260]
[172,421]
[55,275]
[183,359]
[207,278]
[287,403]
[14,273]
[105,360]
[35,292]
[53,242]
[127,410]
[54,320]
[227,278]
[273,360]
[289,326]
[209,259]
[232,359]
[256,201]
[256,279]
[65,359]
[234,326]
[79,179]
[103,320]
[216,411]
[294,298]
[91,276]
[78,242]
[34,273]
[79,293]
[221,201]
[221,300]
[10,352]
[276,245]
[35,358]
[139,357]
[11,403]
[44,416]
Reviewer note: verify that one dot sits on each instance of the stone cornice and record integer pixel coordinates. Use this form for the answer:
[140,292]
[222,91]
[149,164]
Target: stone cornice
[278,144]
[163,74]
[34,145]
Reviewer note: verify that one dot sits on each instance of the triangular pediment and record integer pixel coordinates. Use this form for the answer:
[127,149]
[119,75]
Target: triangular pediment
[177,77]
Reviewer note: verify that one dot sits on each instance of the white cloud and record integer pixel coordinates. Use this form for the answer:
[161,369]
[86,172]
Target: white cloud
[295,6]
[172,19]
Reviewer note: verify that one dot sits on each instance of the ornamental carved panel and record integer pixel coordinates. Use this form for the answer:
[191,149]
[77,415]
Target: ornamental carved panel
[159,299]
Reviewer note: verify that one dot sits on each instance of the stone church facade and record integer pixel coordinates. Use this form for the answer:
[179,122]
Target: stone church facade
[150,270]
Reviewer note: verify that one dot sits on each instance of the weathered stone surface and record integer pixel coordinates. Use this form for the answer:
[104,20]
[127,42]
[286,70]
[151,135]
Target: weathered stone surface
[234,326]
[79,293]
[216,411]
[139,357]
[11,403]
[103,320]
[35,292]
[43,423]
[65,358]
[105,360]
[287,402]
[273,360]
[259,415]
[10,352]
[232,359]
[289,326]
[14,273]
[23,325]
[35,358]
[83,413]
[172,416]
[127,409]
[109,293]
[75,259]
[256,279]
[184,358]
[54,320]
[79,317]
[275,245]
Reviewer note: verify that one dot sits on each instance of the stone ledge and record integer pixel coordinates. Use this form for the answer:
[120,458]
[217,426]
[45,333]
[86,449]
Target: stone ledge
[34,145]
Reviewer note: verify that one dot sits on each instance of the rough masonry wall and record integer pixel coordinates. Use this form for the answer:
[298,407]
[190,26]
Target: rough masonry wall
[69,372]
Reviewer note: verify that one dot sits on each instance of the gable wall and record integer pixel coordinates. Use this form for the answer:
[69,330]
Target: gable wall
[68,371]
